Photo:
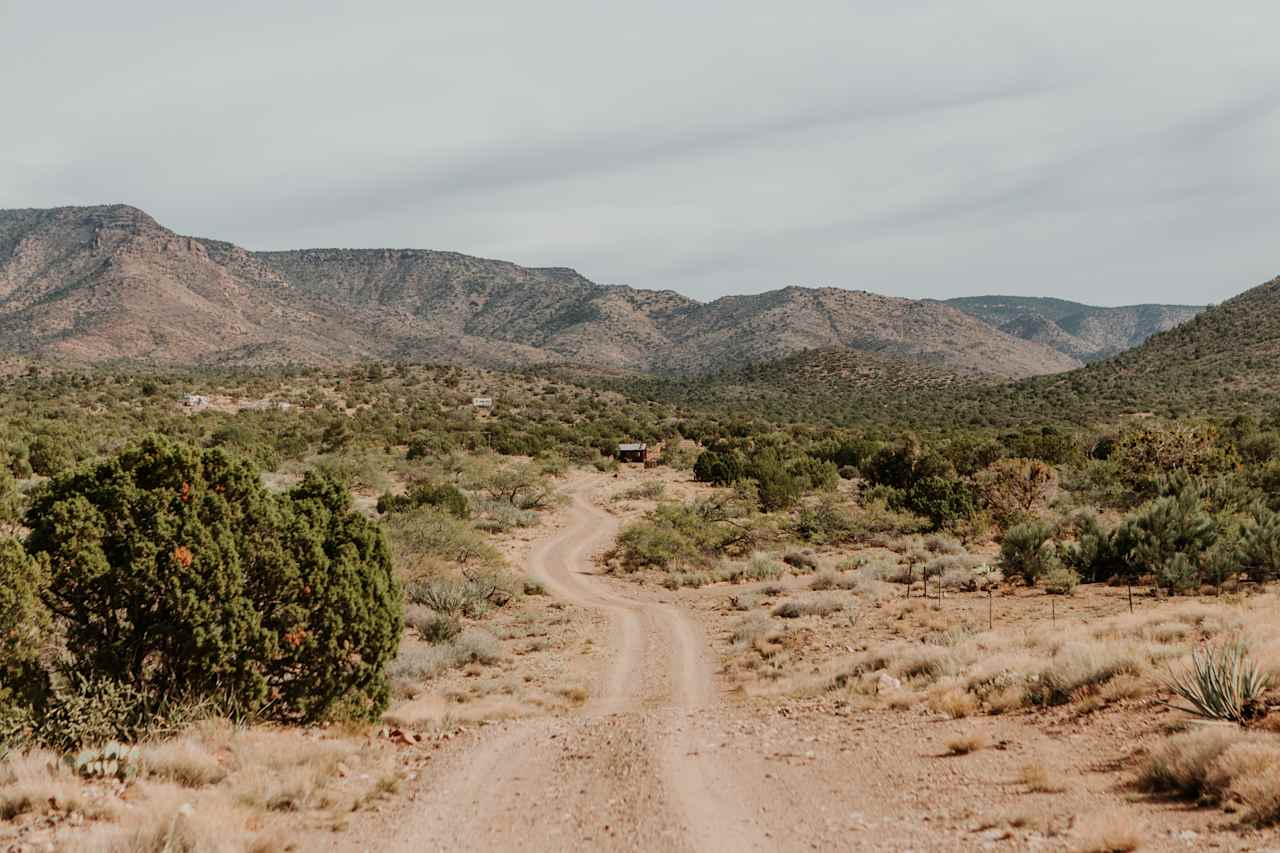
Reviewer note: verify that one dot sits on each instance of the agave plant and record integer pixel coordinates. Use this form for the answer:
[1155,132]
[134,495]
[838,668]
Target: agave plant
[1223,683]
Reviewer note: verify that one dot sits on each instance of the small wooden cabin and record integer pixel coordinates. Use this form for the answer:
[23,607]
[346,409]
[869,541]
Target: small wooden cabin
[636,452]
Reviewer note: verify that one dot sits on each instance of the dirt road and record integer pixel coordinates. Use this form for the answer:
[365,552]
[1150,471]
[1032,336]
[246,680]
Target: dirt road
[628,773]
[658,759]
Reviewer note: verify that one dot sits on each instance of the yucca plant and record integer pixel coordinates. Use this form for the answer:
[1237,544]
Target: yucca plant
[1223,683]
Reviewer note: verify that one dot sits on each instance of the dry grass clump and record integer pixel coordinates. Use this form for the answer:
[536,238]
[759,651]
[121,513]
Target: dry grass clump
[801,561]
[1112,832]
[925,663]
[184,761]
[967,743]
[755,625]
[1041,779]
[168,822]
[293,789]
[820,606]
[955,702]
[1181,765]
[1219,764]
[1078,667]
[418,662]
[37,782]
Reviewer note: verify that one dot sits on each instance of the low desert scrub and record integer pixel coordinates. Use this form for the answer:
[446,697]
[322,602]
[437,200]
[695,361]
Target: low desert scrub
[416,663]
[471,596]
[1080,667]
[744,600]
[938,543]
[499,516]
[967,743]
[758,568]
[820,606]
[290,790]
[954,702]
[832,580]
[800,561]
[167,823]
[1112,832]
[755,625]
[923,663]
[184,761]
[37,782]
[433,627]
[1061,580]
[1040,779]
[1219,764]
[651,491]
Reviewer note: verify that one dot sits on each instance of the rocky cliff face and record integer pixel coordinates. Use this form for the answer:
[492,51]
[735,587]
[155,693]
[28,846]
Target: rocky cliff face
[101,283]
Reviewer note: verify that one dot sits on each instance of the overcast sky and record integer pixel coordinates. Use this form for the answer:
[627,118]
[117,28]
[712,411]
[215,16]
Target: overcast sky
[1110,152]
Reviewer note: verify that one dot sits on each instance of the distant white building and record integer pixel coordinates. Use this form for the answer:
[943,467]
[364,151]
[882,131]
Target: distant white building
[482,402]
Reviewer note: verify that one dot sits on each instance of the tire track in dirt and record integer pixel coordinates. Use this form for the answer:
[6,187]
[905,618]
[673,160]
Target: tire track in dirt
[628,773]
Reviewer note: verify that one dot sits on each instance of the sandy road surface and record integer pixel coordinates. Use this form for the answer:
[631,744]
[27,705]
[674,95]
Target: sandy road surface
[628,773]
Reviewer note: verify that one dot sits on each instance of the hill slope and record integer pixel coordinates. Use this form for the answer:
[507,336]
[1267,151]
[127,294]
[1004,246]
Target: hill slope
[102,283]
[1086,332]
[1222,362]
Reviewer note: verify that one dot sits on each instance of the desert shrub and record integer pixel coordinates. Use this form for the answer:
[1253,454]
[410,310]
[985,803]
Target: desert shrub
[1258,548]
[426,536]
[451,595]
[650,544]
[523,486]
[944,501]
[1145,456]
[683,534]
[894,465]
[1026,552]
[937,543]
[1098,553]
[824,523]
[24,623]
[650,491]
[820,606]
[82,711]
[814,474]
[426,445]
[776,487]
[442,495]
[1078,666]
[1047,444]
[800,561]
[1013,489]
[500,516]
[1183,764]
[758,568]
[50,454]
[674,455]
[1061,580]
[432,626]
[718,469]
[1171,535]
[11,500]
[174,571]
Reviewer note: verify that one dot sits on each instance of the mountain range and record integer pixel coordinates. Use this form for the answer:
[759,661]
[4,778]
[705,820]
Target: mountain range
[106,283]
[1086,332]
